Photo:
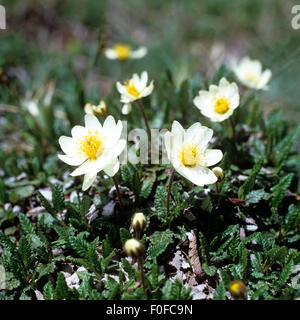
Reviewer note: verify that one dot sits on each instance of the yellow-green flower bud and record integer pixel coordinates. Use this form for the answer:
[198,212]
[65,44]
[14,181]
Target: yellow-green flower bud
[134,248]
[238,289]
[99,110]
[219,173]
[138,222]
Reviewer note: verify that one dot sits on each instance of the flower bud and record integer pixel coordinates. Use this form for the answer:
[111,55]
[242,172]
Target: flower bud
[219,173]
[238,289]
[138,222]
[99,110]
[134,248]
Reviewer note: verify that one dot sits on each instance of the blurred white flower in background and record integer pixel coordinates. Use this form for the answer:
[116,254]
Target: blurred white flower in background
[124,52]
[250,73]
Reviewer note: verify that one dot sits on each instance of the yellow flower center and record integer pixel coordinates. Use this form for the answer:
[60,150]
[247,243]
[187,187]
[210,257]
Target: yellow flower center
[221,106]
[123,51]
[252,77]
[91,145]
[131,89]
[190,155]
[235,287]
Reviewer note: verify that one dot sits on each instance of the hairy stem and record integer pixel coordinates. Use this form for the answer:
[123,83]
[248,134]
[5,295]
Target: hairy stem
[140,104]
[169,190]
[119,195]
[233,128]
[141,268]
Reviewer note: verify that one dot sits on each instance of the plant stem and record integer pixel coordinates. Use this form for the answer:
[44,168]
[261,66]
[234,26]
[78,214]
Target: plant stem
[233,128]
[141,267]
[169,190]
[217,188]
[119,195]
[140,104]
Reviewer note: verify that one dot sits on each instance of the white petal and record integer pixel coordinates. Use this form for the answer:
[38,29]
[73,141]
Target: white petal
[199,135]
[120,87]
[178,132]
[264,79]
[88,180]
[112,168]
[87,166]
[148,90]
[126,109]
[78,131]
[139,53]
[204,100]
[110,54]
[72,161]
[200,176]
[212,157]
[67,145]
[168,137]
[111,131]
[91,122]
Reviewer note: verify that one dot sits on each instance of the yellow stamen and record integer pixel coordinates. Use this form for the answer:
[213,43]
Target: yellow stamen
[190,155]
[131,89]
[123,51]
[252,77]
[91,145]
[221,106]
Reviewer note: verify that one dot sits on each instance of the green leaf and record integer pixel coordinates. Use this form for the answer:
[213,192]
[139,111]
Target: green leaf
[61,290]
[248,185]
[44,269]
[160,200]
[209,270]
[24,249]
[222,72]
[80,246]
[46,204]
[280,190]
[286,273]
[220,292]
[256,196]
[124,235]
[58,198]
[159,242]
[26,224]
[128,268]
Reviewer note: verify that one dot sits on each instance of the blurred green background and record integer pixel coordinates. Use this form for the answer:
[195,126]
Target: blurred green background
[54,42]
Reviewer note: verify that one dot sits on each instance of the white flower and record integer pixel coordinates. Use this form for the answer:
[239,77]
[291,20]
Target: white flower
[250,73]
[99,110]
[124,52]
[188,153]
[134,89]
[93,148]
[219,102]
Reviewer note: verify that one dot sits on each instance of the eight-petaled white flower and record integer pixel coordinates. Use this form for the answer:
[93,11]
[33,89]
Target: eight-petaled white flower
[134,89]
[93,148]
[188,153]
[219,102]
[123,52]
[250,74]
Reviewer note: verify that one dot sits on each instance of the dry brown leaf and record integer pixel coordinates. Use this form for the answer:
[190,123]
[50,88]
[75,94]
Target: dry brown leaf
[193,255]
